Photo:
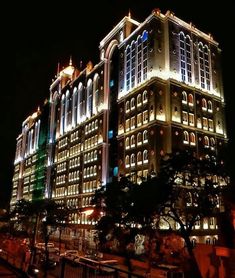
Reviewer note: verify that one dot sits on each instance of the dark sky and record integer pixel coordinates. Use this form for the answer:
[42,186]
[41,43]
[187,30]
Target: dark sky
[45,35]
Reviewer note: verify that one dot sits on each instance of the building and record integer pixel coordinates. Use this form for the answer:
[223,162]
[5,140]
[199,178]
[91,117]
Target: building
[157,88]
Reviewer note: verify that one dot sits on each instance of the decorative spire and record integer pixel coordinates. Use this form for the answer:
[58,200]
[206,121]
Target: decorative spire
[70,61]
[129,13]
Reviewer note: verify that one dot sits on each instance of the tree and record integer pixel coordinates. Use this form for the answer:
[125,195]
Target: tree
[185,190]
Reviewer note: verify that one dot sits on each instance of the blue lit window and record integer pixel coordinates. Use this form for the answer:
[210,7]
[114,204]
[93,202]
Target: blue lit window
[145,36]
[115,171]
[110,134]
[111,83]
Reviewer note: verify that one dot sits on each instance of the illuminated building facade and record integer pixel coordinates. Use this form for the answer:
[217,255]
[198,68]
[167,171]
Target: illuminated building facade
[157,88]
[30,158]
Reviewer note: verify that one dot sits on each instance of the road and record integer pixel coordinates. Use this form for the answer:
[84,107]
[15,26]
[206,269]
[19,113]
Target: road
[7,271]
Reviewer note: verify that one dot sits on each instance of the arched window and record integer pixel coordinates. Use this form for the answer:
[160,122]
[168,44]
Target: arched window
[81,102]
[89,99]
[186,137]
[127,142]
[67,111]
[192,138]
[95,155]
[212,142]
[139,60]
[139,158]
[145,156]
[95,170]
[210,108]
[190,99]
[204,104]
[127,161]
[184,97]
[185,58]
[127,106]
[204,66]
[121,36]
[145,96]
[62,115]
[132,141]
[145,54]
[206,142]
[139,100]
[145,136]
[133,58]
[74,107]
[95,93]
[128,67]
[132,160]
[139,138]
[132,103]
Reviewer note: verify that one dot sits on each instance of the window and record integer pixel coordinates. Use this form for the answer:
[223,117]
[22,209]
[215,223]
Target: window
[185,58]
[128,67]
[185,117]
[139,100]
[133,123]
[139,119]
[81,103]
[145,136]
[127,124]
[127,161]
[62,115]
[139,158]
[132,103]
[191,119]
[145,54]
[89,99]
[145,156]
[121,36]
[145,117]
[139,138]
[127,143]
[206,142]
[210,108]
[139,60]
[74,108]
[204,104]
[204,66]
[145,97]
[212,143]
[127,106]
[192,139]
[184,97]
[67,111]
[95,101]
[190,100]
[186,137]
[133,64]
[205,123]
[132,160]
[211,125]
[199,122]
[132,141]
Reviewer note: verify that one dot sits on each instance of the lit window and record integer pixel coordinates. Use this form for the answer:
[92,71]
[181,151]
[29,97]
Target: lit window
[145,156]
[145,136]
[132,141]
[132,103]
[127,124]
[192,139]
[184,97]
[132,160]
[127,161]
[210,108]
[186,137]
[139,158]
[191,119]
[212,143]
[128,67]
[133,123]
[205,123]
[127,106]
[139,100]
[145,97]
[185,117]
[206,142]
[139,119]
[199,122]
[211,125]
[204,104]
[139,138]
[190,100]
[121,36]
[145,117]
[127,143]
[133,61]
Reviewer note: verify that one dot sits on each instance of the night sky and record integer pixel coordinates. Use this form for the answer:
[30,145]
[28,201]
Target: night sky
[43,36]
